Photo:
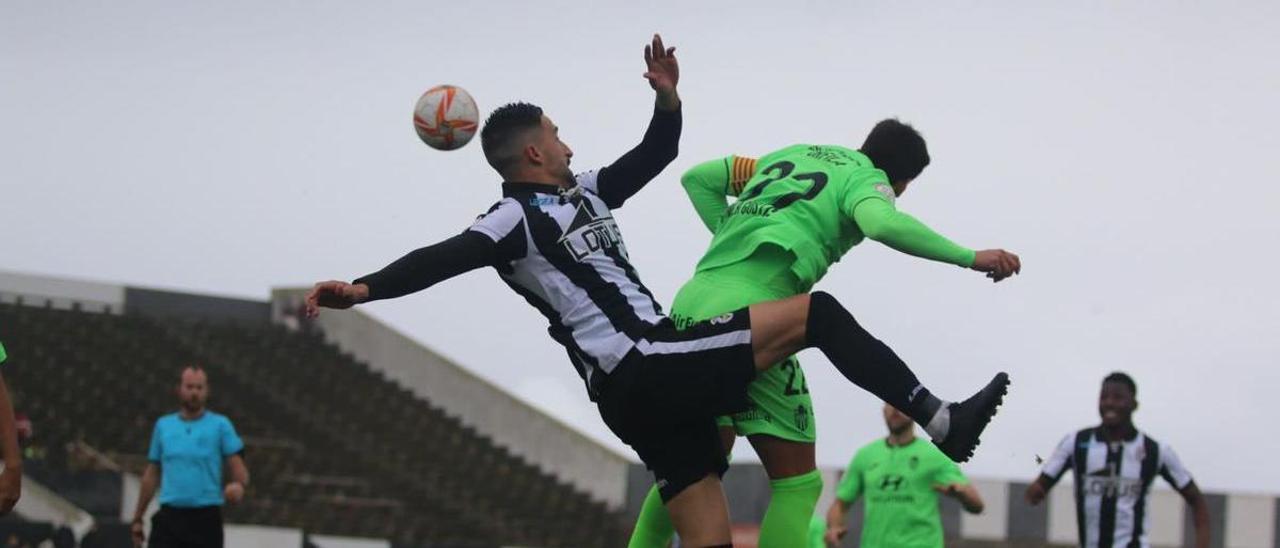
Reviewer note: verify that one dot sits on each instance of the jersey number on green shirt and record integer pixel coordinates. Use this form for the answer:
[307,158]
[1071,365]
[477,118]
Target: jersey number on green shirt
[777,172]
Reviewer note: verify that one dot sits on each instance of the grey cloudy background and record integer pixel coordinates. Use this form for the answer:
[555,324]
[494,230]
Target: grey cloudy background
[1126,150]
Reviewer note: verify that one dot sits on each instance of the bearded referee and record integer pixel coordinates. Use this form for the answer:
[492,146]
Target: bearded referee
[188,451]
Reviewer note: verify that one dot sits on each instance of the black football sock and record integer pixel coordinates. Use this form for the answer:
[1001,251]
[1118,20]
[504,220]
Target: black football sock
[871,364]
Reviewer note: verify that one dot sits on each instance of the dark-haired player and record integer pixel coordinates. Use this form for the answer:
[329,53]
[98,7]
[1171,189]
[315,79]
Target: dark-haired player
[554,241]
[798,210]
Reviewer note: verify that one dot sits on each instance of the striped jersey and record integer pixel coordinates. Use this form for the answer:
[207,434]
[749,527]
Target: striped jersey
[1112,480]
[562,251]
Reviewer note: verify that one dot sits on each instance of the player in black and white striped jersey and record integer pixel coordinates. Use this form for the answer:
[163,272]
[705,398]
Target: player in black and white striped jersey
[553,240]
[1113,466]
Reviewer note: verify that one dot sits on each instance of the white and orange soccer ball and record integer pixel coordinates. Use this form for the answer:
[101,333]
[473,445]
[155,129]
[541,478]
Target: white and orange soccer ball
[446,117]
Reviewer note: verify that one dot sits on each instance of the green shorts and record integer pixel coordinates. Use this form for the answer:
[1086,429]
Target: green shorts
[780,403]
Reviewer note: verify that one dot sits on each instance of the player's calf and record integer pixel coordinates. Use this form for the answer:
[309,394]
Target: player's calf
[781,328]
[701,514]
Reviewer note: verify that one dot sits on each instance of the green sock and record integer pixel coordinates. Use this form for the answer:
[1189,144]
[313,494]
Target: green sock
[653,526]
[786,521]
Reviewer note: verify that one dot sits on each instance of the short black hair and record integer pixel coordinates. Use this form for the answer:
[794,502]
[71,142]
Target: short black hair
[1124,379]
[897,149]
[195,367]
[504,124]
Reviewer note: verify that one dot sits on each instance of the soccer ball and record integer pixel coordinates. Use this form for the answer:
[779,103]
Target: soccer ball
[446,117]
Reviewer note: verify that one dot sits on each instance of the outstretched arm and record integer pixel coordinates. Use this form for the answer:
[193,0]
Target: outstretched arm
[427,266]
[708,183]
[629,173]
[881,222]
[414,272]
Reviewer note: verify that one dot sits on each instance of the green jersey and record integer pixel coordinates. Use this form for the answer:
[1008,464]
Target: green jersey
[3,356]
[816,201]
[896,484]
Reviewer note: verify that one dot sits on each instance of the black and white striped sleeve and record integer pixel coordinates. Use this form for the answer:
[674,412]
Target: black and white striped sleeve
[504,225]
[1171,468]
[1060,461]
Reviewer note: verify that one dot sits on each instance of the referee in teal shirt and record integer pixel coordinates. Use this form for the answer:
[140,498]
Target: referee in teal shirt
[188,450]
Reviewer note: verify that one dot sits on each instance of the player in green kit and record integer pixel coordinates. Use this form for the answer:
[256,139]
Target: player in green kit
[899,479]
[798,210]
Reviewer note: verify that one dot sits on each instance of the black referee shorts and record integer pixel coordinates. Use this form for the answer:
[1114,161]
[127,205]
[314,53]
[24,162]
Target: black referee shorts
[173,527]
[663,397]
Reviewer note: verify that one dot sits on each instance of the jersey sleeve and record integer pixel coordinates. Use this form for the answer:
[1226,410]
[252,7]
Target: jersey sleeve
[866,185]
[741,169]
[156,452]
[851,485]
[503,219]
[494,239]
[632,171]
[504,224]
[229,440]
[589,180]
[3,356]
[948,472]
[708,183]
[1060,460]
[880,221]
[1171,468]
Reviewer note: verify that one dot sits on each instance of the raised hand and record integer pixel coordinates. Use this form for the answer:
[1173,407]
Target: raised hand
[663,71]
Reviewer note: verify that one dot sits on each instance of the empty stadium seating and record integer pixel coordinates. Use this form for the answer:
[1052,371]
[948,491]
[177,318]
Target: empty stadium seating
[333,447]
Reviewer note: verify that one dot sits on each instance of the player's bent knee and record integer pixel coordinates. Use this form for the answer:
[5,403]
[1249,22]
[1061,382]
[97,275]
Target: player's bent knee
[783,458]
[828,317]
[778,329]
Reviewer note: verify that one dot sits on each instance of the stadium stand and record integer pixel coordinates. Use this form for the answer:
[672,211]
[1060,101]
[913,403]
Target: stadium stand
[335,448]
[359,436]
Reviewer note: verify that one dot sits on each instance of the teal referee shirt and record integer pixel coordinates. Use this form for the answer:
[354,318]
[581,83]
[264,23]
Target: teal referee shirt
[190,454]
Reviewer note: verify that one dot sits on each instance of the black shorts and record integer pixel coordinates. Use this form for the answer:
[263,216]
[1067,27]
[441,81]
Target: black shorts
[173,527]
[663,397]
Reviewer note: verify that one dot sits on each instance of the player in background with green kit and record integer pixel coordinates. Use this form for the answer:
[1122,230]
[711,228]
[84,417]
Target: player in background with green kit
[899,479]
[798,211]
[11,477]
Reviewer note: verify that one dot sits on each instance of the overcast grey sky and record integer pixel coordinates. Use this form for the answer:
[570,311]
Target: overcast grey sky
[1128,152]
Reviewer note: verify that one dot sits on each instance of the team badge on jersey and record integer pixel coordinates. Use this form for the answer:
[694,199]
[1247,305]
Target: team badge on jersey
[887,192]
[590,232]
[802,418]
